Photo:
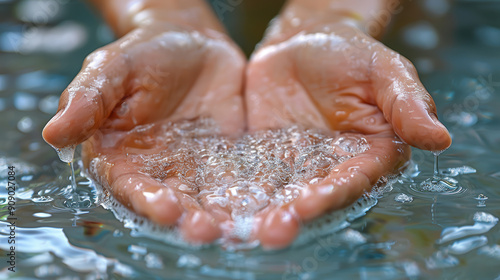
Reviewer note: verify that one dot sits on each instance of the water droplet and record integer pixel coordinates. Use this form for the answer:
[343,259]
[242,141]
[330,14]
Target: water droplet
[117,233]
[403,198]
[481,200]
[483,217]
[137,251]
[66,154]
[188,261]
[153,261]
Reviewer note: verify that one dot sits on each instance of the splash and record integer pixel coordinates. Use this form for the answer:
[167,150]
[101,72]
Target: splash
[439,183]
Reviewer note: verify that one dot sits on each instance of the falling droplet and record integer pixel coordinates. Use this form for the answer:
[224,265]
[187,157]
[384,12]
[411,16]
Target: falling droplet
[481,200]
[66,154]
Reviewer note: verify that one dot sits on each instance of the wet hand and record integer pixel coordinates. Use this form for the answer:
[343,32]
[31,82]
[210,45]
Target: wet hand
[335,77]
[158,72]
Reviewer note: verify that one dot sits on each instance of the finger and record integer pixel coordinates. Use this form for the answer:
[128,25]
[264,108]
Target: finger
[405,102]
[351,179]
[278,228]
[89,99]
[198,225]
[142,194]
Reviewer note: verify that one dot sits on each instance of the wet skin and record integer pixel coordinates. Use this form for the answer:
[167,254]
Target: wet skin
[335,77]
[339,80]
[156,73]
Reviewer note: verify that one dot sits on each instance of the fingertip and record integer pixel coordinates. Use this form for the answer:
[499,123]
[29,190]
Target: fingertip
[199,227]
[428,133]
[163,207]
[279,229]
[416,123]
[441,136]
[51,134]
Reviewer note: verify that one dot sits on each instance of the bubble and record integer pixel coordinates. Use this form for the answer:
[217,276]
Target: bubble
[153,261]
[481,200]
[137,251]
[188,261]
[241,175]
[42,199]
[439,185]
[403,198]
[483,217]
[117,233]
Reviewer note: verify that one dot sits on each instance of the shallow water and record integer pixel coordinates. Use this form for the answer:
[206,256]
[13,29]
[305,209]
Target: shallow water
[410,232]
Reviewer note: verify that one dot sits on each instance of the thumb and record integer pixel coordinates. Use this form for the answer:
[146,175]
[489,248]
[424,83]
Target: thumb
[89,99]
[405,103]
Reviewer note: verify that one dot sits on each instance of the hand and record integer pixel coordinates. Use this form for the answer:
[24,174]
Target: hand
[334,77]
[156,72]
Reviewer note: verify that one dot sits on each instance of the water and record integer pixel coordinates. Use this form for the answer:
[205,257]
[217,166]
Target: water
[438,235]
[240,176]
[439,183]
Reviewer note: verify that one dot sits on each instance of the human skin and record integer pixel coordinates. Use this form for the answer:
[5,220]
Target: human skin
[318,67]
[162,69]
[174,62]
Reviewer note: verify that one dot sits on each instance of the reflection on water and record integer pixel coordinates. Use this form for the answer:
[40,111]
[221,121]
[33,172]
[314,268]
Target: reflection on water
[410,233]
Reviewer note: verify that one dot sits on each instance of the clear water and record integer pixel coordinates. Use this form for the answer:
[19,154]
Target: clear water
[410,233]
[241,175]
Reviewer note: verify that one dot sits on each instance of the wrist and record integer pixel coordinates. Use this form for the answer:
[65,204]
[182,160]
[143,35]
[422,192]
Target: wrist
[126,15]
[303,15]
[285,27]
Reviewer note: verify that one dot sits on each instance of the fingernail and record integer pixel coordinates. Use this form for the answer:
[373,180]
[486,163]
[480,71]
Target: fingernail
[55,117]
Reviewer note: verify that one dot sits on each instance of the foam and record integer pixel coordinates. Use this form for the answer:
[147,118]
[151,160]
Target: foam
[243,175]
[66,154]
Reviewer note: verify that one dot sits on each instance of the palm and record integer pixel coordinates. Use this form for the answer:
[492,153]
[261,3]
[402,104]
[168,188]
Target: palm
[347,82]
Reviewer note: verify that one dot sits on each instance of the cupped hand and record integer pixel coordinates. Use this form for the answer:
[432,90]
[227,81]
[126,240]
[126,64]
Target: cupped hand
[158,72]
[334,77]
